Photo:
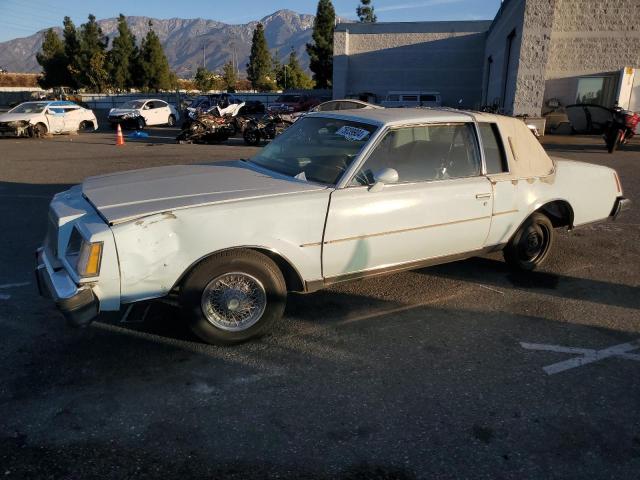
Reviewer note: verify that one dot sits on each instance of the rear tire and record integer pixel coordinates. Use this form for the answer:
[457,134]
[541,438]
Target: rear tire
[85,126]
[530,245]
[614,141]
[233,296]
[171,121]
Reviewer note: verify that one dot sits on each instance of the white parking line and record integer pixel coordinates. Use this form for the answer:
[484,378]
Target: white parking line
[14,285]
[586,355]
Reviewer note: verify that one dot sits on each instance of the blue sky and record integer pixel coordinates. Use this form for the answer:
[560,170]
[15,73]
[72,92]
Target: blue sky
[21,18]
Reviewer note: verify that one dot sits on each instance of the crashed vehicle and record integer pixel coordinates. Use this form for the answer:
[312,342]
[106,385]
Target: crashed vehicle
[338,196]
[36,119]
[214,126]
[138,114]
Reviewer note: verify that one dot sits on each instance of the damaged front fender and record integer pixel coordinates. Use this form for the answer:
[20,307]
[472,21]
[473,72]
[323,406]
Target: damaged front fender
[19,128]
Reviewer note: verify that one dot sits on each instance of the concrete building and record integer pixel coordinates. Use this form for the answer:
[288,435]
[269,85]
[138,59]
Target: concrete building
[533,51]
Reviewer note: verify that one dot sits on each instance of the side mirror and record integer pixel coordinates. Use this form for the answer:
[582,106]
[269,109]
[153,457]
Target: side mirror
[383,177]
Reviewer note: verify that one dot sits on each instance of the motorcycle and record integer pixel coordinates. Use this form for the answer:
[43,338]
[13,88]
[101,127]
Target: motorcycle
[213,126]
[620,129]
[266,128]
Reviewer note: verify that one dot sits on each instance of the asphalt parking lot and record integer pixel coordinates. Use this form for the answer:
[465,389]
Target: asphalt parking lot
[459,371]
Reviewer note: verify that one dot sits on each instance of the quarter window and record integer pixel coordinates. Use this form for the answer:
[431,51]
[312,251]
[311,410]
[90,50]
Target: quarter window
[494,154]
[425,153]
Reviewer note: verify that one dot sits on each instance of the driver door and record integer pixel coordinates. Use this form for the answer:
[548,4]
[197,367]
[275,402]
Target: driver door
[55,118]
[440,206]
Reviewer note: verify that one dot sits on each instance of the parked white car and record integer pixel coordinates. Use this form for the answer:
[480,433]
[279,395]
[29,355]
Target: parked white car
[144,112]
[337,196]
[35,119]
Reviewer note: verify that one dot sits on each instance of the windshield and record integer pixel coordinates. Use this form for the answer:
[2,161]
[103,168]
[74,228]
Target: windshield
[288,99]
[30,107]
[316,149]
[135,104]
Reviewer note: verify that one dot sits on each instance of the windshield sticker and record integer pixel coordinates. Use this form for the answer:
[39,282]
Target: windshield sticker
[353,134]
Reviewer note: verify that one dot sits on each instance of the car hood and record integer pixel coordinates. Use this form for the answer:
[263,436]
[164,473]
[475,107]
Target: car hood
[14,117]
[126,196]
[122,111]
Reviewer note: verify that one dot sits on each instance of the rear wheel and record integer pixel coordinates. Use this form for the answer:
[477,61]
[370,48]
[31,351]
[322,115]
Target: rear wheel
[531,244]
[85,126]
[233,296]
[171,121]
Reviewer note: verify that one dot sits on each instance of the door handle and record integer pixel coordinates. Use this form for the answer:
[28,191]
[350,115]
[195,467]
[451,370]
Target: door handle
[481,196]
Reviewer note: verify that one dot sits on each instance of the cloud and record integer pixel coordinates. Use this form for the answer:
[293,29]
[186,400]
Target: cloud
[412,5]
[407,6]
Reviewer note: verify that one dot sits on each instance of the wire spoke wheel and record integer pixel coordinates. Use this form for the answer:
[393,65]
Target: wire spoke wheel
[234,301]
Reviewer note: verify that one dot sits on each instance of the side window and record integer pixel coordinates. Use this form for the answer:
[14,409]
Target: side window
[327,107]
[160,104]
[425,153]
[494,154]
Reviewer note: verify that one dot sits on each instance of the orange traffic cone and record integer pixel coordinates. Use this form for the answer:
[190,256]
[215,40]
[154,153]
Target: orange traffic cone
[119,137]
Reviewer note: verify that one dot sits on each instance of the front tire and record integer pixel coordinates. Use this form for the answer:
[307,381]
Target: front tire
[251,137]
[140,123]
[39,130]
[531,244]
[233,296]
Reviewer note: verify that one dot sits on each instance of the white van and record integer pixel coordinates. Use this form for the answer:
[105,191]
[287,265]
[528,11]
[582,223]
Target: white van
[412,99]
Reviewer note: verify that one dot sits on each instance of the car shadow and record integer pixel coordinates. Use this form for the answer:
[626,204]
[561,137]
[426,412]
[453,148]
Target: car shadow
[496,273]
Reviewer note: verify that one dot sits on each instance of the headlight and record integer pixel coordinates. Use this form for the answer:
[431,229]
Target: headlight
[83,255]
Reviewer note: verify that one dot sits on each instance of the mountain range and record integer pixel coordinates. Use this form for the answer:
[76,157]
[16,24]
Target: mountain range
[184,41]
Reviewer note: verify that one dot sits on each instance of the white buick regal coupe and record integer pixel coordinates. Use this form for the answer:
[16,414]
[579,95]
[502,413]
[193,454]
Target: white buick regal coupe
[337,196]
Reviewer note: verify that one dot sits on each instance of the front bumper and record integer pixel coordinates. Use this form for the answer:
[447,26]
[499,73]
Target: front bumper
[79,305]
[621,204]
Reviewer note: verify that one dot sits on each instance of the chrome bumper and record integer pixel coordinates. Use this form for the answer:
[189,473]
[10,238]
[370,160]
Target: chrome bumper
[620,206]
[78,305]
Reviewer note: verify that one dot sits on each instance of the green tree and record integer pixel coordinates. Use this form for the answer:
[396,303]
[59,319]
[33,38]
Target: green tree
[299,78]
[292,76]
[92,61]
[71,52]
[229,77]
[203,79]
[156,74]
[121,56]
[321,50]
[53,61]
[259,68]
[366,12]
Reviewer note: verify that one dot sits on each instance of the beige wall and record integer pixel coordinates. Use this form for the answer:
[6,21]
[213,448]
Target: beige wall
[436,56]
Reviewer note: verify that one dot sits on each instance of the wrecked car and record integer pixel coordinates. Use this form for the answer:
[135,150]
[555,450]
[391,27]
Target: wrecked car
[338,196]
[138,114]
[36,119]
